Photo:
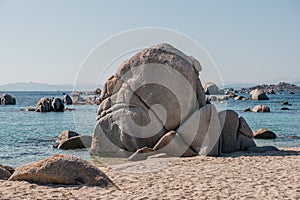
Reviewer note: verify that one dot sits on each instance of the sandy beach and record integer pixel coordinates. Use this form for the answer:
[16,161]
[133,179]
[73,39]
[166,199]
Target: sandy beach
[270,175]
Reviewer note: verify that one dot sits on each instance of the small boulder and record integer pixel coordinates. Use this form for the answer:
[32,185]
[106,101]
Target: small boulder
[4,173]
[261,108]
[65,135]
[258,94]
[44,105]
[64,170]
[264,133]
[291,92]
[284,108]
[212,88]
[7,99]
[77,142]
[286,103]
[57,105]
[67,100]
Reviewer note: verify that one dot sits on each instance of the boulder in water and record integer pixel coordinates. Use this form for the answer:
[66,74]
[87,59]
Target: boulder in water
[264,133]
[67,100]
[7,99]
[261,108]
[258,94]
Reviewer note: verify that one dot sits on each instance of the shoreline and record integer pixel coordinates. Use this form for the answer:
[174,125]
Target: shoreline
[240,175]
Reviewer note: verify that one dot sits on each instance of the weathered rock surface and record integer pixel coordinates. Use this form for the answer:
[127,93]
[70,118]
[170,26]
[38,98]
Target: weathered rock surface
[261,108]
[7,99]
[264,133]
[62,169]
[67,100]
[258,94]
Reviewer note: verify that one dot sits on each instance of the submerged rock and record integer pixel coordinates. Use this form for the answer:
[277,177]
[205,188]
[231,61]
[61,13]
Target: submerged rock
[64,170]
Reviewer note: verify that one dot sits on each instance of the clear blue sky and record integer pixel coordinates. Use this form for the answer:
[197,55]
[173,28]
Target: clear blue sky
[251,41]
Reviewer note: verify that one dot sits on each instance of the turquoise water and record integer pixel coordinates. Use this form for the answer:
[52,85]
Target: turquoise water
[28,136]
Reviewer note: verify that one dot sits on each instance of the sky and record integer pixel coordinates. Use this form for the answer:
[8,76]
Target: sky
[250,41]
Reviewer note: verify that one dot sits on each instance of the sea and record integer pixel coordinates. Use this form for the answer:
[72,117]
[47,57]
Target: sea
[28,136]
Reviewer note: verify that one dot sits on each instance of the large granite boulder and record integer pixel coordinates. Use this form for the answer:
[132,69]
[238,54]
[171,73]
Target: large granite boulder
[44,105]
[151,94]
[211,88]
[7,99]
[67,100]
[155,103]
[258,94]
[62,169]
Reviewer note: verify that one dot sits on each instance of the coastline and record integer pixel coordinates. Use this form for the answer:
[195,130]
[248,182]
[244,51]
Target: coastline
[240,175]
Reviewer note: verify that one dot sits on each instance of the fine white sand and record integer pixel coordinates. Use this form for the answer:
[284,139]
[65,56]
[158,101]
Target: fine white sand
[272,175]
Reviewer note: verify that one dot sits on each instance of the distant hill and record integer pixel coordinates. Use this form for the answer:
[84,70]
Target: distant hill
[32,86]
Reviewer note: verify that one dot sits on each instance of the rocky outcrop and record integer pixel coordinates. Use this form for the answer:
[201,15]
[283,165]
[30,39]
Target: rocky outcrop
[47,105]
[72,140]
[67,100]
[155,103]
[7,99]
[261,108]
[258,94]
[64,170]
[211,88]
[264,133]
